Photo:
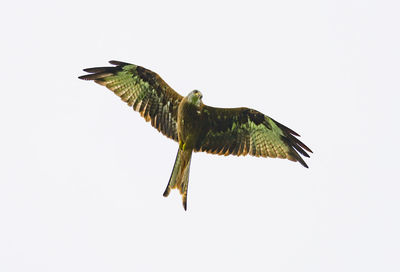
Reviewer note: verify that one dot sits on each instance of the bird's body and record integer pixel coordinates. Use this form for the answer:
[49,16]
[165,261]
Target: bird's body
[189,133]
[195,126]
[189,120]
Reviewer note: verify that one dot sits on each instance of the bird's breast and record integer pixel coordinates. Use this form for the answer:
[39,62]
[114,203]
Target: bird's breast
[189,123]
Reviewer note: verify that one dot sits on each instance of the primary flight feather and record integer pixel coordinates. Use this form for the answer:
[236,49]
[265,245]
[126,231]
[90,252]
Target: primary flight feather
[195,126]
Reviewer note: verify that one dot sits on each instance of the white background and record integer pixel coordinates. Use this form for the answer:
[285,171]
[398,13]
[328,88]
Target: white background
[82,174]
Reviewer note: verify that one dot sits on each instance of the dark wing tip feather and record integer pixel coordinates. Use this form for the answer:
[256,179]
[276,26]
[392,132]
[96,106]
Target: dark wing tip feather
[301,151]
[296,148]
[291,133]
[96,76]
[84,77]
[97,69]
[118,63]
[283,127]
[304,146]
[295,144]
[302,162]
[299,146]
[300,143]
[96,73]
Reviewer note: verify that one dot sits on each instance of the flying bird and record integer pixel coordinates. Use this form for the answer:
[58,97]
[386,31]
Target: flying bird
[195,126]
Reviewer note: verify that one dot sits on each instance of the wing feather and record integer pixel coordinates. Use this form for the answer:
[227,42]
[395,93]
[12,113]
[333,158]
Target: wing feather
[143,90]
[242,131]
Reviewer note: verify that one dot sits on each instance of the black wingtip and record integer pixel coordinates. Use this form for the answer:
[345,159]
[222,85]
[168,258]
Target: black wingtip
[304,146]
[302,162]
[118,63]
[184,201]
[166,192]
[100,72]
[295,145]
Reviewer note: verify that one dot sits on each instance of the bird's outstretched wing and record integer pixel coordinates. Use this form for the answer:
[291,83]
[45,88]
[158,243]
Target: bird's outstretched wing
[142,89]
[242,131]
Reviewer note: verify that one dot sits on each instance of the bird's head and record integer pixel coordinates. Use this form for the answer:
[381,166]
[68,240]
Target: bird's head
[194,97]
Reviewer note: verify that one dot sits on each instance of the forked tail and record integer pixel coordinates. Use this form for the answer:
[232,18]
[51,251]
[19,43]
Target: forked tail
[180,175]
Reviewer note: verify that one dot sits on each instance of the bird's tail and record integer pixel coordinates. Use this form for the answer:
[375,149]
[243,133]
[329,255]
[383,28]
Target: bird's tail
[180,175]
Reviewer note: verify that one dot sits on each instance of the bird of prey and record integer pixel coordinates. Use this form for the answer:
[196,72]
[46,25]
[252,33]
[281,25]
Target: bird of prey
[195,126]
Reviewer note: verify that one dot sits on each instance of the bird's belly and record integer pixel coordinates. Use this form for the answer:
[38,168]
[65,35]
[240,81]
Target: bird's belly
[187,137]
[188,125]
[188,132]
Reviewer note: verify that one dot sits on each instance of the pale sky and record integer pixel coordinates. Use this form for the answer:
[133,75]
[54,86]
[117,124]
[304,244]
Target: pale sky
[82,174]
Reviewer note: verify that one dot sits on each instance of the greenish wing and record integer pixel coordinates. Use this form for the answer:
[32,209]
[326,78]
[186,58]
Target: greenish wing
[143,90]
[242,131]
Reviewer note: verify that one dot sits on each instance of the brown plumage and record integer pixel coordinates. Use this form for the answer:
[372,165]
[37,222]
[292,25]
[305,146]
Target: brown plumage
[195,126]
